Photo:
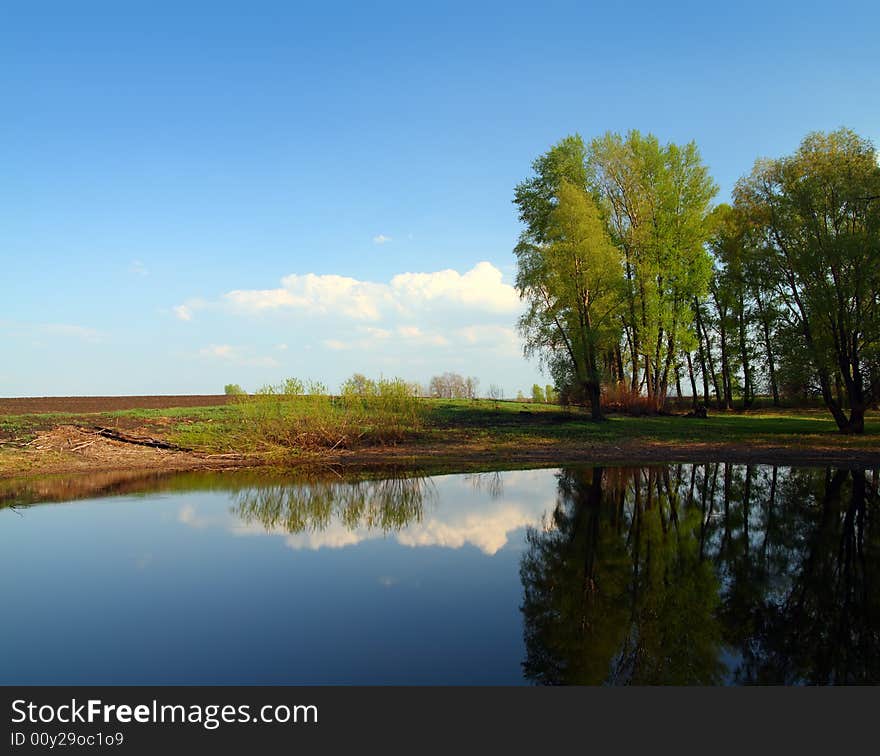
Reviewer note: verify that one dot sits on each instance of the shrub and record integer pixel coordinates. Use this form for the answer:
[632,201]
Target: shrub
[301,415]
[620,397]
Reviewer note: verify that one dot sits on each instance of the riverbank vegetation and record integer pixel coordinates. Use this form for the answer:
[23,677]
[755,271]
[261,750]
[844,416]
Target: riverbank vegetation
[438,435]
[304,416]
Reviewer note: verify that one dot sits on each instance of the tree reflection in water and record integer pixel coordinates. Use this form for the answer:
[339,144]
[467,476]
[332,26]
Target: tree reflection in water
[387,505]
[705,574]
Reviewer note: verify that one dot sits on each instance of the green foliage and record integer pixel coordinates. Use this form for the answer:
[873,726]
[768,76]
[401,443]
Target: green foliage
[538,394]
[233,389]
[814,218]
[302,416]
[656,199]
[613,246]
[568,271]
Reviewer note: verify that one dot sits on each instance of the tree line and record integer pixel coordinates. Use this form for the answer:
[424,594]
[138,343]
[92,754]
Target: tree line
[634,279]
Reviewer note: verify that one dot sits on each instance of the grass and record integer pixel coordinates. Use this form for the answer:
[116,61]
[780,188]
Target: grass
[273,425]
[547,423]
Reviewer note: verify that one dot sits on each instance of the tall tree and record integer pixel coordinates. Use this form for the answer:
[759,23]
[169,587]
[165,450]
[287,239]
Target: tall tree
[656,198]
[817,214]
[569,274]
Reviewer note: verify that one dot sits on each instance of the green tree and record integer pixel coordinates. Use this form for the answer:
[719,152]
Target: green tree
[233,389]
[816,215]
[569,273]
[656,199]
[537,394]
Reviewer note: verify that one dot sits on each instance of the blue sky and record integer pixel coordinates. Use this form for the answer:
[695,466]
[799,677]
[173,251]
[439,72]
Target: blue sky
[171,173]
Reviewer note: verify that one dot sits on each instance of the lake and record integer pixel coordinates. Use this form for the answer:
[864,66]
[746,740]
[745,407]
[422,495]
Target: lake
[710,574]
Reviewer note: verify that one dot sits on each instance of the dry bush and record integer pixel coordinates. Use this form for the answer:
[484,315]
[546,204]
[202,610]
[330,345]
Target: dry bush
[619,397]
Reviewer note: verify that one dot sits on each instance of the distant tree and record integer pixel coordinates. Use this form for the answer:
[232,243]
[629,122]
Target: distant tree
[359,385]
[293,387]
[550,394]
[496,393]
[453,386]
[233,389]
[537,394]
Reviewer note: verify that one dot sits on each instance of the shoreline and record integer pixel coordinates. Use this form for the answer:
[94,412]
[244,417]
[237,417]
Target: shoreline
[445,456]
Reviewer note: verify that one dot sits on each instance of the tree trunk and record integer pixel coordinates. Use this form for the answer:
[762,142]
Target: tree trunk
[725,367]
[694,394]
[619,359]
[748,389]
[768,347]
[594,392]
[856,422]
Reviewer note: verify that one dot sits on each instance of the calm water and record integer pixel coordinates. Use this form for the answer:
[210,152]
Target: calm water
[689,574]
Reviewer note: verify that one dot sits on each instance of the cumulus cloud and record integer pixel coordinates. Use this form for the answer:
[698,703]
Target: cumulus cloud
[481,289]
[182,312]
[316,295]
[381,239]
[426,321]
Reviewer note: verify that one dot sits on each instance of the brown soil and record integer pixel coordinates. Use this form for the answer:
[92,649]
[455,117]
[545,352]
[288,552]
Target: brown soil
[72,449]
[88,404]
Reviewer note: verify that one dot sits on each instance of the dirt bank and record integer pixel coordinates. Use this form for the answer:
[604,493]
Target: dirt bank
[71,449]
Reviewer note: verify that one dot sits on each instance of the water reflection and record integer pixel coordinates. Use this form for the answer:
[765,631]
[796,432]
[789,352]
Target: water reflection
[691,574]
[384,505]
[703,575]
[483,510]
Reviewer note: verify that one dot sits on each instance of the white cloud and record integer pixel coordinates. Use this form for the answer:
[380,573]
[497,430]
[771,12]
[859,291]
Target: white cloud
[317,295]
[377,333]
[411,324]
[37,332]
[481,289]
[236,356]
[69,330]
[218,350]
[381,239]
[182,312]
